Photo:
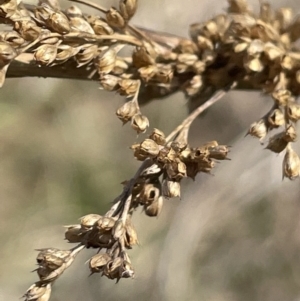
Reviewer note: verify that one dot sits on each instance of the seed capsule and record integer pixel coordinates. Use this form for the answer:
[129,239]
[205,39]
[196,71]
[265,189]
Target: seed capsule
[127,111]
[139,123]
[155,207]
[258,129]
[114,18]
[291,164]
[128,8]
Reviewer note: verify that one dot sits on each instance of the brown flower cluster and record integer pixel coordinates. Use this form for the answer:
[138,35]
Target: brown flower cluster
[239,47]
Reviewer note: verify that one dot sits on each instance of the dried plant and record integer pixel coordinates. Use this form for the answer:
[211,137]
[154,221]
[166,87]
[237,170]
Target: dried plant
[237,49]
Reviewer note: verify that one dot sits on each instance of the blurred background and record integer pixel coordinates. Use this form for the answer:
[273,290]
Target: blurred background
[234,235]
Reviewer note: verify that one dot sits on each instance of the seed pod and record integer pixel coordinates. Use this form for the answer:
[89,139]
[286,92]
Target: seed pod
[149,148]
[118,230]
[193,86]
[109,82]
[141,57]
[171,189]
[106,61]
[88,221]
[258,129]
[85,54]
[38,292]
[79,24]
[254,65]
[7,54]
[206,165]
[114,18]
[127,111]
[277,143]
[128,8]
[291,164]
[105,223]
[98,262]
[131,238]
[73,11]
[126,270]
[293,111]
[59,23]
[139,123]
[111,269]
[290,134]
[176,170]
[218,152]
[12,38]
[65,52]
[100,27]
[158,136]
[28,30]
[276,118]
[45,54]
[149,194]
[73,233]
[281,96]
[155,207]
[128,87]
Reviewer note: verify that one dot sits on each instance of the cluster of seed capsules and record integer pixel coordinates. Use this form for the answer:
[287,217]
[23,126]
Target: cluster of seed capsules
[171,163]
[110,235]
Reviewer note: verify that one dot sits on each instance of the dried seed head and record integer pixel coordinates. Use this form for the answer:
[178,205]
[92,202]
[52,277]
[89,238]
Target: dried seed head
[126,270]
[59,23]
[149,148]
[139,123]
[38,292]
[176,170]
[293,111]
[149,194]
[79,24]
[128,87]
[106,61]
[88,221]
[158,136]
[128,8]
[85,54]
[291,164]
[45,54]
[28,30]
[155,207]
[127,111]
[218,152]
[111,269]
[100,27]
[12,38]
[281,96]
[7,54]
[98,262]
[277,143]
[118,230]
[290,134]
[73,11]
[171,189]
[131,238]
[141,57]
[206,165]
[276,118]
[73,233]
[64,52]
[105,223]
[114,18]
[258,129]
[109,82]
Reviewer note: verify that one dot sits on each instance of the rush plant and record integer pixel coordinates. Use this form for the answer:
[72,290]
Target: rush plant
[239,49]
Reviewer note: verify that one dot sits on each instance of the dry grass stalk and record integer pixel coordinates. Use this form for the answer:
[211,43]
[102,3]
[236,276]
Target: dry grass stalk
[237,49]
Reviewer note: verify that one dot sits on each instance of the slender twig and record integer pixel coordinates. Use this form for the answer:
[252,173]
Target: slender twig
[186,123]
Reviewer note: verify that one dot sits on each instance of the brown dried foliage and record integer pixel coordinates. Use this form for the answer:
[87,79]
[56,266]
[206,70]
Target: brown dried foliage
[237,48]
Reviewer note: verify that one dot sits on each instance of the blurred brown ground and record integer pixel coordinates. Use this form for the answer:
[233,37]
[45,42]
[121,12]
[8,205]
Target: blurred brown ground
[63,153]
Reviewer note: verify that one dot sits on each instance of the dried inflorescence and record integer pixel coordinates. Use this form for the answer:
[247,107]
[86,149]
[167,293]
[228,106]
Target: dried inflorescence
[238,48]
